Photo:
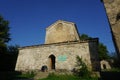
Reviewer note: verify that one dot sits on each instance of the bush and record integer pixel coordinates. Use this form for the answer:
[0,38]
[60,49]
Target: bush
[82,70]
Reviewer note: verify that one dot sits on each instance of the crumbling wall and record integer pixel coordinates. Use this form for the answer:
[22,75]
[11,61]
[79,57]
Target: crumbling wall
[113,12]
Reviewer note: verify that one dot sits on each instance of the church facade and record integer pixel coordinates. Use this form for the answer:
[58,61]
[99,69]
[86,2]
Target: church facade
[62,45]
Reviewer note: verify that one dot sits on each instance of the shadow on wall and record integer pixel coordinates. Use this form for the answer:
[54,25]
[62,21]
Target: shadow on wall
[93,49]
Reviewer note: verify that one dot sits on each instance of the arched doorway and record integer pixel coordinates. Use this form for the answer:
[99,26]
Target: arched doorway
[52,61]
[104,66]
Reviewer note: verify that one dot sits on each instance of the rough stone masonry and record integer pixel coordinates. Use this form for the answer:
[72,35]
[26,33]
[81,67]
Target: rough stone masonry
[113,12]
[62,45]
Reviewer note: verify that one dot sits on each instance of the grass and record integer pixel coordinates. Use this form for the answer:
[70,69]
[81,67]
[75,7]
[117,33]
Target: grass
[53,76]
[112,70]
[26,75]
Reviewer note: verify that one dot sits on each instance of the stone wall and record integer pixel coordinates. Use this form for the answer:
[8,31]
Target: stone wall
[113,12]
[61,31]
[62,45]
[34,57]
[105,65]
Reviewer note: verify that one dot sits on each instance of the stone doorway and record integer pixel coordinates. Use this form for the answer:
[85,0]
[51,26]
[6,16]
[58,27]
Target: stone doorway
[104,66]
[52,62]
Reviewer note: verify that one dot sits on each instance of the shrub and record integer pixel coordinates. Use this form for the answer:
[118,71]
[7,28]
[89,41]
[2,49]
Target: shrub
[82,70]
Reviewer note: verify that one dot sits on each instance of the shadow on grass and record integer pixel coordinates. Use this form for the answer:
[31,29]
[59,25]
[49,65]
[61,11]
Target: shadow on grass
[14,75]
[9,75]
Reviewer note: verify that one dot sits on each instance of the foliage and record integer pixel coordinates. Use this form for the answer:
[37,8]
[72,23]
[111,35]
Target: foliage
[13,49]
[82,69]
[103,52]
[52,76]
[85,37]
[4,34]
[4,30]
[102,49]
[112,70]
[8,54]
[3,48]
[115,59]
[8,60]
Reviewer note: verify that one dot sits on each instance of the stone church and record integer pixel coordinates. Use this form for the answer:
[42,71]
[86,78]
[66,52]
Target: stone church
[62,45]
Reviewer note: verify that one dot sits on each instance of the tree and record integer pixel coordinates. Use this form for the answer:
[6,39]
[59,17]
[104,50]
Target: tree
[8,54]
[4,34]
[103,52]
[102,49]
[115,60]
[85,37]
[13,49]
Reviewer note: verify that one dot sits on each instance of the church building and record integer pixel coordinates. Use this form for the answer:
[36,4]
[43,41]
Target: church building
[62,45]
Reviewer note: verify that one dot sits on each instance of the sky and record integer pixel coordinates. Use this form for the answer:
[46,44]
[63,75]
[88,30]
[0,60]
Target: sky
[28,19]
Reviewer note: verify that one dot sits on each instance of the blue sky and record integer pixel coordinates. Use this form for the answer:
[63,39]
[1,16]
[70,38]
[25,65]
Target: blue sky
[29,18]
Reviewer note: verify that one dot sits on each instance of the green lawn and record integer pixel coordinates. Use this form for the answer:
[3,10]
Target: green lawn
[65,77]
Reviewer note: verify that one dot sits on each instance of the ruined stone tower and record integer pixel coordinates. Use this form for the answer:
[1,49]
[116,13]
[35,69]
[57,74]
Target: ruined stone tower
[113,12]
[61,31]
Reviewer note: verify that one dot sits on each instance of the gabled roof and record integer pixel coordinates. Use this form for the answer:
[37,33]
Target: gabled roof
[96,40]
[59,21]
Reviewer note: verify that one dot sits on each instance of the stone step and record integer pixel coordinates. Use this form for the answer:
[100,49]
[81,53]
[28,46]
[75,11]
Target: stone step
[40,75]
